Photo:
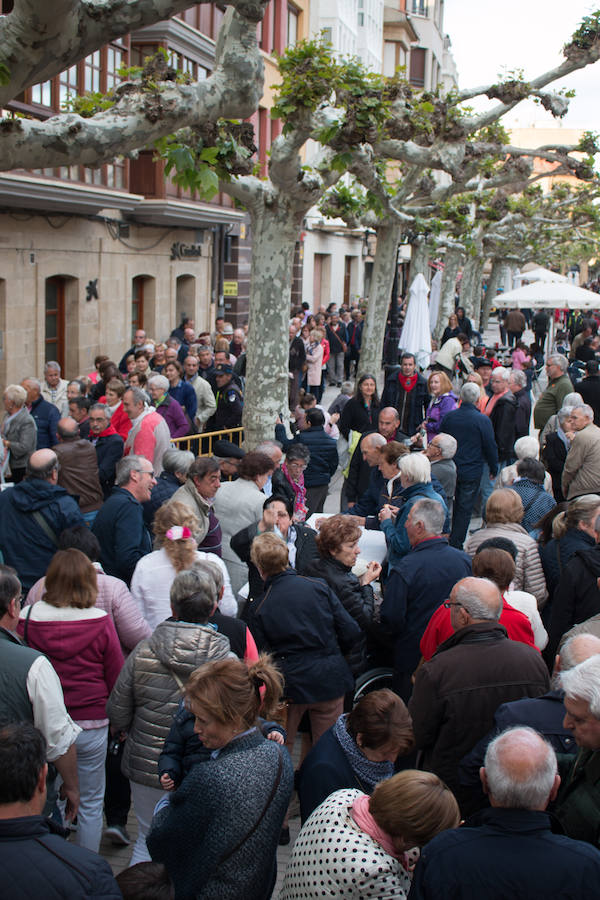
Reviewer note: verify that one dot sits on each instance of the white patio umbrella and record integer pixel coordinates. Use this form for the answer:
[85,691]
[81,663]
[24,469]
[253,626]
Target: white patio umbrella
[551,295]
[416,335]
[540,274]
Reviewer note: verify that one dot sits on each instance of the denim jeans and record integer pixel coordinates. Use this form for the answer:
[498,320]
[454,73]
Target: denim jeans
[91,757]
[464,499]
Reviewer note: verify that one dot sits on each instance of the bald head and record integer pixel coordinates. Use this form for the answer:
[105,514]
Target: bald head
[43,465]
[388,422]
[475,600]
[369,447]
[67,429]
[520,770]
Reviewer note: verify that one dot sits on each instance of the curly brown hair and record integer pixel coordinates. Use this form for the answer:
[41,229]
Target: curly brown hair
[334,532]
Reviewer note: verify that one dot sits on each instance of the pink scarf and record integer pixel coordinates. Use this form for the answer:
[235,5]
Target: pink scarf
[365,821]
[300,508]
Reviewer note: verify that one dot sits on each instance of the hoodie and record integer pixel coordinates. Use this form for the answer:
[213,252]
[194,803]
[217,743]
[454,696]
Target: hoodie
[84,649]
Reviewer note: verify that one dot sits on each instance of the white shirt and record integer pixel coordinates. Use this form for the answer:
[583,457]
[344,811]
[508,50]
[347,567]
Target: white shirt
[50,715]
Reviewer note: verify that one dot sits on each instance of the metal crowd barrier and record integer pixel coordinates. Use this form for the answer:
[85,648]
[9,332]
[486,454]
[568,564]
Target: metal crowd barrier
[202,444]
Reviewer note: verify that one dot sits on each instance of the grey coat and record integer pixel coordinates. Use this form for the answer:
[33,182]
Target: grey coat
[22,434]
[189,495]
[146,695]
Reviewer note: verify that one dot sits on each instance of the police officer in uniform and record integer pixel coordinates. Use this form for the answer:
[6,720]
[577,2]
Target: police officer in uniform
[229,400]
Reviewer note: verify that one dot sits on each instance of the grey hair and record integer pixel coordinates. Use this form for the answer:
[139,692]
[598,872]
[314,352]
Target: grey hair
[529,789]
[101,407]
[33,380]
[139,396]
[559,360]
[160,381]
[470,393]
[268,446]
[448,445]
[586,410]
[375,439]
[573,399]
[126,466]
[583,683]
[527,448]
[416,467]
[347,387]
[563,414]
[177,461]
[298,451]
[193,595]
[52,364]
[518,376]
[214,570]
[430,514]
[503,372]
[16,394]
[79,384]
[578,648]
[471,600]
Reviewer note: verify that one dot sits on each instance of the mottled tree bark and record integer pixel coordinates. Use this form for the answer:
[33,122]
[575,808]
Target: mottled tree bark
[470,289]
[379,298]
[452,262]
[419,259]
[492,289]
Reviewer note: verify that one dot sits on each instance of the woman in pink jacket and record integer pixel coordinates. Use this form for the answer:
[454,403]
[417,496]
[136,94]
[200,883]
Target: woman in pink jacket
[81,643]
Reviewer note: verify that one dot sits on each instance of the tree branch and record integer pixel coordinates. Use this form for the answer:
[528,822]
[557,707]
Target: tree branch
[141,116]
[41,38]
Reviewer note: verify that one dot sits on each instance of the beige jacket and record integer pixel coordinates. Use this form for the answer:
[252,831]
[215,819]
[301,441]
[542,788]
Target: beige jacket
[529,575]
[581,474]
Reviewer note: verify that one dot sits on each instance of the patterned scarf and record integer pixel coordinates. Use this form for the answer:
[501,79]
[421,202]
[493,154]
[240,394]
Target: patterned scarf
[368,773]
[407,381]
[300,508]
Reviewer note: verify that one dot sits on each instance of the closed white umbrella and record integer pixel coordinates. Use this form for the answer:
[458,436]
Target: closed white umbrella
[434,299]
[416,335]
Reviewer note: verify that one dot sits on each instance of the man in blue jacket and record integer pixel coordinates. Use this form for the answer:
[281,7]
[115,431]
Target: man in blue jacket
[32,516]
[323,458]
[45,414]
[509,850]
[417,585]
[119,526]
[475,437]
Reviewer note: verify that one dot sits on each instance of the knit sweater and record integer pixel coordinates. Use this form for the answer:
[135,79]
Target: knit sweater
[215,808]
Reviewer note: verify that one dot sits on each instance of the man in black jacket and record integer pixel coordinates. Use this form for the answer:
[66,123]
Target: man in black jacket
[323,458]
[406,390]
[335,332]
[36,859]
[296,361]
[510,850]
[109,446]
[589,388]
[277,516]
[517,384]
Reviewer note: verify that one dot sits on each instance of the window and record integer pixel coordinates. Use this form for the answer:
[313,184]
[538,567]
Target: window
[42,93]
[419,8]
[67,86]
[292,26]
[137,304]
[91,72]
[361,19]
[55,321]
[114,61]
[417,66]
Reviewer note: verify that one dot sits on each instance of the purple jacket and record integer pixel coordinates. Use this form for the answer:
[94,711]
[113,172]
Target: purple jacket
[174,416]
[436,411]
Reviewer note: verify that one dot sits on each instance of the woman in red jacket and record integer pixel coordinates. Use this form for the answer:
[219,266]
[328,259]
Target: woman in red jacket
[81,643]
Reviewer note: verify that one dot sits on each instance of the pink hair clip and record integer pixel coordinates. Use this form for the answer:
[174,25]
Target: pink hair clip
[179,533]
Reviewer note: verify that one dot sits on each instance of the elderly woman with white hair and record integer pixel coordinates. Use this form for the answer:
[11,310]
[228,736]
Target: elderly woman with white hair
[18,430]
[571,401]
[415,478]
[167,406]
[525,448]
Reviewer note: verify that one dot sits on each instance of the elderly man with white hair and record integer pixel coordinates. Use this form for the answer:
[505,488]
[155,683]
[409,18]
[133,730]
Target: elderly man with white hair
[510,850]
[559,385]
[517,383]
[581,473]
[18,430]
[440,452]
[578,804]
[54,388]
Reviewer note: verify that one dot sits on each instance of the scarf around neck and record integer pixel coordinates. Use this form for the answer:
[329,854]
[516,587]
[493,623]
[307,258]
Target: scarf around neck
[408,381]
[300,509]
[367,772]
[365,821]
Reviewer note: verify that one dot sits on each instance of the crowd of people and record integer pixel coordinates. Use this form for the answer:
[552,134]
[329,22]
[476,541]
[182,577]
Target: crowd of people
[176,628]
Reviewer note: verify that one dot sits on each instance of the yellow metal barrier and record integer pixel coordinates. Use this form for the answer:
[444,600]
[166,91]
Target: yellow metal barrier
[202,444]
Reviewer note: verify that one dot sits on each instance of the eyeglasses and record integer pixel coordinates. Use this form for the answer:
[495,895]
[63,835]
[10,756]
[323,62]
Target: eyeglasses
[448,605]
[146,472]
